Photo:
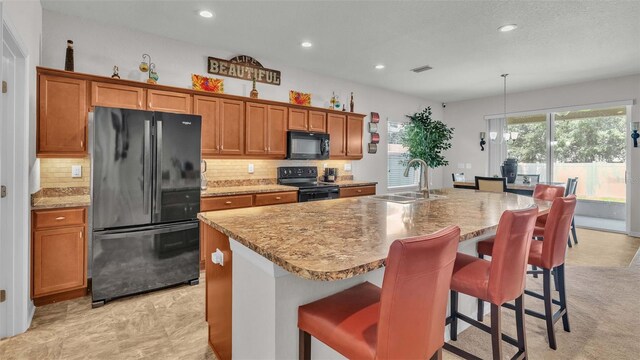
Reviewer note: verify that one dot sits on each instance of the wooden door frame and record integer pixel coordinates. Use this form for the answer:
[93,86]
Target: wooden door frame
[15,243]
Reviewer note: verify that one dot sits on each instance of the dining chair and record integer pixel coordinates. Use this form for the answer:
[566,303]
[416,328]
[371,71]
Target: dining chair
[458,177]
[491,184]
[572,186]
[405,319]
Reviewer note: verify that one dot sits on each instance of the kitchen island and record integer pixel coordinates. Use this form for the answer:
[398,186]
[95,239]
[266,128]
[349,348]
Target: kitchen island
[270,260]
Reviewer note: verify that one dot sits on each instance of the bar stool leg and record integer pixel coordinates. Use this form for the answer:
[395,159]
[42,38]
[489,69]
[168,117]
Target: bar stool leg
[522,335]
[453,327]
[563,298]
[496,332]
[305,345]
[480,315]
[534,268]
[548,309]
[569,241]
[437,355]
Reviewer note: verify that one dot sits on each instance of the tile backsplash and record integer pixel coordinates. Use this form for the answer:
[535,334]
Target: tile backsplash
[237,169]
[56,173]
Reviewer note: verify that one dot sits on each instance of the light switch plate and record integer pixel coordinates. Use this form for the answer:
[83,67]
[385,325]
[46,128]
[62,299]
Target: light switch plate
[250,169]
[468,165]
[347,167]
[324,166]
[460,165]
[76,171]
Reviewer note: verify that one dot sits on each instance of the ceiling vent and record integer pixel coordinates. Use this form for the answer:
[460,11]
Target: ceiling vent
[421,69]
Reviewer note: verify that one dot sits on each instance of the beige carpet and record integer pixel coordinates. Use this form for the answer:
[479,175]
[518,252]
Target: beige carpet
[603,295]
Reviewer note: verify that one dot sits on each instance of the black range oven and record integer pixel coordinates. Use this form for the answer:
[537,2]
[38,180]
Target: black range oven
[305,178]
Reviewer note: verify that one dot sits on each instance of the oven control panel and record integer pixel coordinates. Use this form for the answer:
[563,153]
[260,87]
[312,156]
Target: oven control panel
[297,172]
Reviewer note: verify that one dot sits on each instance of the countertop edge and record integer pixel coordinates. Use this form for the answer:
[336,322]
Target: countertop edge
[323,275]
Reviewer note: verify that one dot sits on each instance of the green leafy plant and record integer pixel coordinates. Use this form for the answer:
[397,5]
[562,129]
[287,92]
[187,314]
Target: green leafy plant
[426,139]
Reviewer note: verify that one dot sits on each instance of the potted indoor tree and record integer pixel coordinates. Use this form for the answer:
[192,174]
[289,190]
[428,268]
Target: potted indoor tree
[425,139]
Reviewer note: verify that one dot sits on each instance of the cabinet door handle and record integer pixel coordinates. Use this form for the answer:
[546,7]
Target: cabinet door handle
[228,202]
[359,191]
[278,198]
[60,218]
[81,234]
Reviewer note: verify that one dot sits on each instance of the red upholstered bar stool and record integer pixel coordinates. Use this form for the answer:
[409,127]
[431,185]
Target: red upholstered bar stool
[548,255]
[541,192]
[403,320]
[497,281]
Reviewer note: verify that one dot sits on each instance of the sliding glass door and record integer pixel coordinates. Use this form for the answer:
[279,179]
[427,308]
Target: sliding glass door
[591,145]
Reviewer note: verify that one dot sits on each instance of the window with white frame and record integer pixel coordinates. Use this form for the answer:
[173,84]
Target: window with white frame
[395,154]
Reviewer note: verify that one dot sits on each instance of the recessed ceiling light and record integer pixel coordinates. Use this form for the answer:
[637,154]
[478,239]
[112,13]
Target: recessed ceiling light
[206,14]
[306,44]
[507,28]
[379,66]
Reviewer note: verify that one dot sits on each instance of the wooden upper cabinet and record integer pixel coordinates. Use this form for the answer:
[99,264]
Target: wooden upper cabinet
[354,136]
[337,129]
[231,127]
[317,121]
[277,130]
[118,96]
[298,119]
[62,116]
[59,260]
[256,129]
[168,101]
[209,109]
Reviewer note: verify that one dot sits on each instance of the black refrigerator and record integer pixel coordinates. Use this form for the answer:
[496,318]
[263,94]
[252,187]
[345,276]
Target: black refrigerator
[145,189]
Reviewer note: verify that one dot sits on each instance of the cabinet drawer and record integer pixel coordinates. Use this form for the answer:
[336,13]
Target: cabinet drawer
[276,198]
[56,218]
[358,191]
[226,202]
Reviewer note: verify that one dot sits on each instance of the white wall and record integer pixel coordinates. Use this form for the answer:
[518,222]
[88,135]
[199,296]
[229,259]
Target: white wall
[468,119]
[25,18]
[99,47]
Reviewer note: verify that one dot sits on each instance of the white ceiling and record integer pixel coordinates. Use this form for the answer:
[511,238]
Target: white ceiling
[557,42]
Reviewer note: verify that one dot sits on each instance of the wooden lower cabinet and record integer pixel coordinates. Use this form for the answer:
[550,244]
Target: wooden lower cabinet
[357,191]
[225,202]
[59,255]
[276,198]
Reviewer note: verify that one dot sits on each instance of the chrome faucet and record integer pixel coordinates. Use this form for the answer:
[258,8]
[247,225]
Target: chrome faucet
[424,176]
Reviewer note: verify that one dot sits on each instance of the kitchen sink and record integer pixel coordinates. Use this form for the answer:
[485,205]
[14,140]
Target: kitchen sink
[407,197]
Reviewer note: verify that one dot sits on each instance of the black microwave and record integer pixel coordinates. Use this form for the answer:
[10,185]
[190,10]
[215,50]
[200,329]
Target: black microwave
[307,146]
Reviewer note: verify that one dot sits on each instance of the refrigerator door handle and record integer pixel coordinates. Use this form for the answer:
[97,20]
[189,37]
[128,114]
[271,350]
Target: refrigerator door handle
[147,176]
[155,230]
[157,204]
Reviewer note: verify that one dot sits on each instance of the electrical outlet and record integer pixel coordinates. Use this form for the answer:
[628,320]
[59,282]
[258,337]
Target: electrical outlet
[324,166]
[250,169]
[76,171]
[460,165]
[347,167]
[468,165]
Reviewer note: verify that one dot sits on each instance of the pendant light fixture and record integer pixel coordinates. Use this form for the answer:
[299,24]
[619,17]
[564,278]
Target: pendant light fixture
[506,135]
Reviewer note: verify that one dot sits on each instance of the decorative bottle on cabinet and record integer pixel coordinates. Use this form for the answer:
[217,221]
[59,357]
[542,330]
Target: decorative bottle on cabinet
[68,60]
[351,102]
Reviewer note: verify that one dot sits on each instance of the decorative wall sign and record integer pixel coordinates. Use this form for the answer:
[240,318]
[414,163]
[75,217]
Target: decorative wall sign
[299,98]
[243,67]
[373,148]
[207,84]
[373,128]
[375,138]
[375,118]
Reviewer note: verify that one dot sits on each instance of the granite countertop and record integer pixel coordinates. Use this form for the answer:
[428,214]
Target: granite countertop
[351,183]
[245,189]
[53,198]
[339,239]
